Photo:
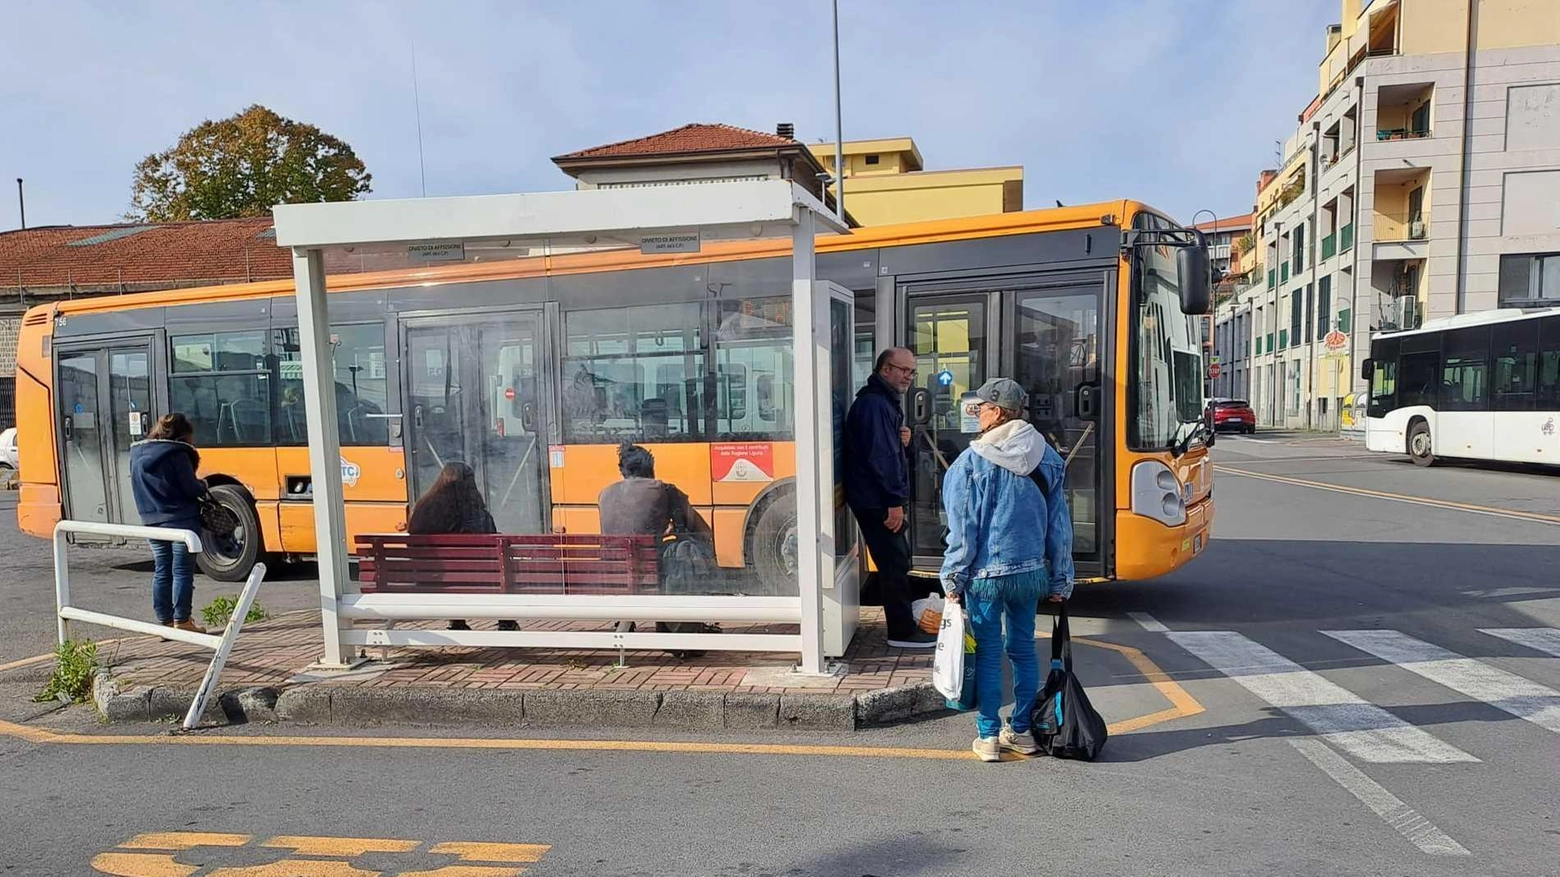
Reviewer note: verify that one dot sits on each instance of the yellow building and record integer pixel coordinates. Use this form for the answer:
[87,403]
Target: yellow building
[886,182]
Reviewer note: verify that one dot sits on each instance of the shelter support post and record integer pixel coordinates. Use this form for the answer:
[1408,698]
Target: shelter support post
[319,395]
[809,546]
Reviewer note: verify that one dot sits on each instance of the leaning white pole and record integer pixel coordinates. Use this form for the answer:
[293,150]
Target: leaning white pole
[805,404]
[319,398]
[246,599]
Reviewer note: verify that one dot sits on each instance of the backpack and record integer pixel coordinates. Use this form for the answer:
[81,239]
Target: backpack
[687,566]
[1065,723]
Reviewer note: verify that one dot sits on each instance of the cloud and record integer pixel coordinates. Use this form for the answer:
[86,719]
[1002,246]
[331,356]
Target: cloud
[1177,103]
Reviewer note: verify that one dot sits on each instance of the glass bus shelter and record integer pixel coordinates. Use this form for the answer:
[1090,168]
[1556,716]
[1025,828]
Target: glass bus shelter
[573,322]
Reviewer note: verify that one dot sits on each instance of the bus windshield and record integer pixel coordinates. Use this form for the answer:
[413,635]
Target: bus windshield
[1165,391]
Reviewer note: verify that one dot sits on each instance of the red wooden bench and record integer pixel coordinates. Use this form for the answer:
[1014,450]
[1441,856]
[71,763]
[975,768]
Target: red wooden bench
[507,563]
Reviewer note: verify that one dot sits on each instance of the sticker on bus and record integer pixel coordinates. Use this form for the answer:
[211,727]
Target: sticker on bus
[743,462]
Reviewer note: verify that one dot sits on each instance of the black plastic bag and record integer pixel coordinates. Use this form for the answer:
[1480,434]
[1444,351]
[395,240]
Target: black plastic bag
[1065,723]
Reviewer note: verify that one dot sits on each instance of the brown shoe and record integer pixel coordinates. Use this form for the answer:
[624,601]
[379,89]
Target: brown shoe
[188,625]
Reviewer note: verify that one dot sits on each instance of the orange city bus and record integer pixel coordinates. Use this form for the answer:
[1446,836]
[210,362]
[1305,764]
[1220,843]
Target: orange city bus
[534,369]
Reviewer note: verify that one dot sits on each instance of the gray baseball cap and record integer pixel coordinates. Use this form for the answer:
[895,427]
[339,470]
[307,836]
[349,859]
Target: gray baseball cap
[1003,393]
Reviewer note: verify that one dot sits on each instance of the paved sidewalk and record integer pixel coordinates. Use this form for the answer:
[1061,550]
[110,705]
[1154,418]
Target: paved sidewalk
[149,678]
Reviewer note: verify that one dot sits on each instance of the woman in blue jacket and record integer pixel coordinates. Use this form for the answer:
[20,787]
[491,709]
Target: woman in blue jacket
[1002,493]
[167,494]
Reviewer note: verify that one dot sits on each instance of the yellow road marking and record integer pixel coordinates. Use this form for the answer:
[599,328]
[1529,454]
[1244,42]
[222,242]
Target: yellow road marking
[183,840]
[344,847]
[1182,706]
[25,662]
[483,852]
[467,871]
[141,865]
[296,868]
[1397,497]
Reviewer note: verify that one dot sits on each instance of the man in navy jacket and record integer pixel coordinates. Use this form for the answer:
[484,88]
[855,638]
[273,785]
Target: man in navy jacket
[877,487]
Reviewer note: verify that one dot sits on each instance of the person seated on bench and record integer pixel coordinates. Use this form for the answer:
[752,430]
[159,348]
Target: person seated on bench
[454,505]
[642,504]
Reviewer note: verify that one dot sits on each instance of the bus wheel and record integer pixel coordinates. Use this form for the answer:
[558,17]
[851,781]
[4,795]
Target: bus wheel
[774,546]
[228,557]
[1419,447]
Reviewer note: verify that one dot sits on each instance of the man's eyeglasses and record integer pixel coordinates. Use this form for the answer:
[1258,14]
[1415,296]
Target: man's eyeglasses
[912,372]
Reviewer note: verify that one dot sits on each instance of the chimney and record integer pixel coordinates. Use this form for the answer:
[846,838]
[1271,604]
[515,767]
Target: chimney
[786,130]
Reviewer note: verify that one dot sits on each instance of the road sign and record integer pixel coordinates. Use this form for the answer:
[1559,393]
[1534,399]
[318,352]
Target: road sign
[1213,370]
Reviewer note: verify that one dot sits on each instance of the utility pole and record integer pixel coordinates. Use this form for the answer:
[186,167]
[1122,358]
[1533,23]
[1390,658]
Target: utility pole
[839,129]
[21,202]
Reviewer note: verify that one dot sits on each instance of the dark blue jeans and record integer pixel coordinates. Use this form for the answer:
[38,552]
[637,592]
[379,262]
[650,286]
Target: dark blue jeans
[173,576]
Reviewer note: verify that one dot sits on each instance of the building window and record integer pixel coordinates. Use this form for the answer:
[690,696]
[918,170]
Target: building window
[1323,307]
[1310,308]
[221,383]
[1295,317]
[1530,278]
[873,159]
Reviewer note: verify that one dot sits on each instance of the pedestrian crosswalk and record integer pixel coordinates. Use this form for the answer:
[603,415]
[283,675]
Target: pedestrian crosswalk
[1366,731]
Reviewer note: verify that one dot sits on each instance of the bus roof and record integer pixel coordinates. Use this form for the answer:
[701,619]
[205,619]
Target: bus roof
[935,231]
[1481,318]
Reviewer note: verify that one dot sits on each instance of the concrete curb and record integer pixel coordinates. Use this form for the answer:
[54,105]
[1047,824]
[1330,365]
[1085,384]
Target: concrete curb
[328,704]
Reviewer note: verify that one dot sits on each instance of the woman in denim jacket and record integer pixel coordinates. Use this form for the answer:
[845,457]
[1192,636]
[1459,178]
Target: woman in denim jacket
[1009,544]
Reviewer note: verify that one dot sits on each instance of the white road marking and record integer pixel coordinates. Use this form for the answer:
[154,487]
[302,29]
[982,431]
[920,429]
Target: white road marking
[1362,729]
[1258,441]
[1540,639]
[1148,622]
[1521,697]
[1420,831]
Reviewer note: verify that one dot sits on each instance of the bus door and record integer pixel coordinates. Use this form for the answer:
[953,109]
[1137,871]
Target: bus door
[1044,333]
[475,394]
[104,398]
[950,335]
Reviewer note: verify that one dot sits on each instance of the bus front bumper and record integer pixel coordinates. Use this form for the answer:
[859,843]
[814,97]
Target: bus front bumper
[1146,548]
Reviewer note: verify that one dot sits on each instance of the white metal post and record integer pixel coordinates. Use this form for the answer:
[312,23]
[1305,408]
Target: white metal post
[804,356]
[61,585]
[319,396]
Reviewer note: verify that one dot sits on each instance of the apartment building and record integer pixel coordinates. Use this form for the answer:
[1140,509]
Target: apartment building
[1420,182]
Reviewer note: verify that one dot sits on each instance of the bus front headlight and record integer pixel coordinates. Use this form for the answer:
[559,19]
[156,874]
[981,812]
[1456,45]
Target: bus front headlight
[1157,494]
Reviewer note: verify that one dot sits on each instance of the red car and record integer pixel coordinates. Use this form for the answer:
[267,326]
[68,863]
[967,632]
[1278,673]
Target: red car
[1233,414]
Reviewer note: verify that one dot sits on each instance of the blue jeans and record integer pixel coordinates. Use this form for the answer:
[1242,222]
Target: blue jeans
[173,576]
[986,602]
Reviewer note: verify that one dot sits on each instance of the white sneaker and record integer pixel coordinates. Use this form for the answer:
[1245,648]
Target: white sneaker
[1023,744]
[988,748]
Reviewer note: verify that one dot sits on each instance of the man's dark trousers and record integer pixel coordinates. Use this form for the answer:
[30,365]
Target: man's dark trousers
[891,553]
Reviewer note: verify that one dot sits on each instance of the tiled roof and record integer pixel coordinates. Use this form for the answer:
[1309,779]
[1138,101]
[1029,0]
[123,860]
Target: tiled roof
[1227,223]
[697,137]
[223,250]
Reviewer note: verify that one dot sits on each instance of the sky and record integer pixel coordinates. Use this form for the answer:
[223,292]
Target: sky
[1174,102]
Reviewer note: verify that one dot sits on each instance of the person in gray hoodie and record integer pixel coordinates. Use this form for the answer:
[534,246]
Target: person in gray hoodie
[167,494]
[1009,544]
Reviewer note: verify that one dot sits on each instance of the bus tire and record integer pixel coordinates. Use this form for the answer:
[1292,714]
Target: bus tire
[1420,448]
[229,558]
[774,545]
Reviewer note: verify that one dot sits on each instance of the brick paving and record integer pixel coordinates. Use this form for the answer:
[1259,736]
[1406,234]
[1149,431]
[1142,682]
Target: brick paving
[274,652]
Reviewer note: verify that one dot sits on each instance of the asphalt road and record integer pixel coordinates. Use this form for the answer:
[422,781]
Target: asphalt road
[1368,640]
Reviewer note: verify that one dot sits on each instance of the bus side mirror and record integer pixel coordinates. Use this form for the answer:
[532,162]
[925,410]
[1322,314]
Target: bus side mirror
[1194,276]
[920,406]
[1366,368]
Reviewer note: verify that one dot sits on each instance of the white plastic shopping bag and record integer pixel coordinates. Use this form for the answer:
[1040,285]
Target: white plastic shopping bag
[948,662]
[927,613]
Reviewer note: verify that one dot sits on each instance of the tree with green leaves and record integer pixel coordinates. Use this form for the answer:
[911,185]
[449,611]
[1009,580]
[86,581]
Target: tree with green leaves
[244,166]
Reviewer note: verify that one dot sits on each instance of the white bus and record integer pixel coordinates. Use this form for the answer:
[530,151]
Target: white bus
[1480,386]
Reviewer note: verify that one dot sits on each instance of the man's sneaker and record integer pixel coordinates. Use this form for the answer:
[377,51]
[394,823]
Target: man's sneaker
[188,625]
[987,748]
[919,639]
[1023,744]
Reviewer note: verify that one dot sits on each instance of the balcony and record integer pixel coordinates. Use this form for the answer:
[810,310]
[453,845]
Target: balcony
[1403,111]
[1330,246]
[1402,133]
[1346,238]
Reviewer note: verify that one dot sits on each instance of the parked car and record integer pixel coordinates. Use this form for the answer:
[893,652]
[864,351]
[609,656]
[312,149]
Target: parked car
[1233,414]
[8,453]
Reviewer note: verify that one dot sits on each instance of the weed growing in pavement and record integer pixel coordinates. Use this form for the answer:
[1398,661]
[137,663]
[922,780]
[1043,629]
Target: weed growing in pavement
[221,609]
[75,661]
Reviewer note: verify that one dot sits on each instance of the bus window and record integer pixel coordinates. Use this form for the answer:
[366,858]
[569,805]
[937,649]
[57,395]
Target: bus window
[610,355]
[1383,381]
[753,343]
[1547,395]
[1464,370]
[221,383]
[1167,394]
[358,356]
[1419,379]
[1515,349]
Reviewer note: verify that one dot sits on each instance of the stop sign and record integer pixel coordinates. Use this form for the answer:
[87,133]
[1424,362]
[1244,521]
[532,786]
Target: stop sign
[1213,370]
